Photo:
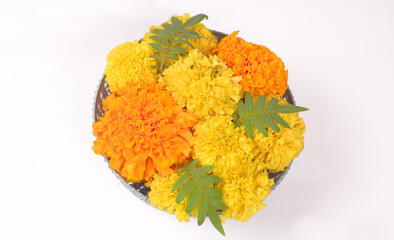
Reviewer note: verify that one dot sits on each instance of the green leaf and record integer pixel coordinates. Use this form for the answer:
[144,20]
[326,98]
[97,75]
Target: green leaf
[177,49]
[249,128]
[289,109]
[171,56]
[238,123]
[269,122]
[176,22]
[202,170]
[207,180]
[194,20]
[216,203]
[160,40]
[211,192]
[181,180]
[195,197]
[215,220]
[272,104]
[191,32]
[187,36]
[277,118]
[158,57]
[202,211]
[182,171]
[183,41]
[192,165]
[260,103]
[241,109]
[162,33]
[235,117]
[249,103]
[169,28]
[157,47]
[188,188]
[259,125]
[166,64]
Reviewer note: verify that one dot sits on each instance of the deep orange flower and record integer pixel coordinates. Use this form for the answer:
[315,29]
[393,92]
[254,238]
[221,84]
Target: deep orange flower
[143,132]
[262,72]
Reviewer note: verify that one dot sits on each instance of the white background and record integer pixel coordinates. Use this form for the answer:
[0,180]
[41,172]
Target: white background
[340,57]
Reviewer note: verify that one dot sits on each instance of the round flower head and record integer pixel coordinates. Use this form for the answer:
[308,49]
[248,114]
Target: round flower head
[262,71]
[278,150]
[130,62]
[161,197]
[205,44]
[205,85]
[143,132]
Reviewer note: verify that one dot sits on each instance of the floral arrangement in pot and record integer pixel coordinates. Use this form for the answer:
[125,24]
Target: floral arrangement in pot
[201,121]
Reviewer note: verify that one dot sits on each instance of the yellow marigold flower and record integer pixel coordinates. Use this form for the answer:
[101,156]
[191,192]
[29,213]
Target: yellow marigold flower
[205,85]
[278,150]
[130,62]
[216,141]
[244,189]
[205,44]
[162,197]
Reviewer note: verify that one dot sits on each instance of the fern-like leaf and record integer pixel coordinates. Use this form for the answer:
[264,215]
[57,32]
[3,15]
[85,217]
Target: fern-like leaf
[196,183]
[262,114]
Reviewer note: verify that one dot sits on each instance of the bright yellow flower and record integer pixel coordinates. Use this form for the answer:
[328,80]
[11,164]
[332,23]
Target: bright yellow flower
[206,44]
[161,197]
[130,62]
[278,150]
[205,85]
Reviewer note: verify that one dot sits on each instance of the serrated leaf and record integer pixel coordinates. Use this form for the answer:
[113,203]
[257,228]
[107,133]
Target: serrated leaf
[216,203]
[272,104]
[215,219]
[194,20]
[267,120]
[260,103]
[187,36]
[162,33]
[177,49]
[241,109]
[183,41]
[238,123]
[160,40]
[258,123]
[188,31]
[182,170]
[202,211]
[169,28]
[207,180]
[194,198]
[158,57]
[202,170]
[171,56]
[188,188]
[192,165]
[249,103]
[176,22]
[157,47]
[248,127]
[235,117]
[277,118]
[211,192]
[289,109]
[181,180]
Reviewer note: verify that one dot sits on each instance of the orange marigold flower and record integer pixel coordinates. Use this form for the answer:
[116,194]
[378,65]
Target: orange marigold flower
[143,132]
[262,71]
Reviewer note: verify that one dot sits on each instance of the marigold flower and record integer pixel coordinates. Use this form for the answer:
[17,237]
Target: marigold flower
[278,150]
[130,62]
[216,141]
[206,44]
[262,71]
[162,197]
[205,85]
[143,132]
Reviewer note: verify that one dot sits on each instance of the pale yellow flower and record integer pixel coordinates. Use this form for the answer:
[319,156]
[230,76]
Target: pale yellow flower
[278,150]
[205,85]
[130,62]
